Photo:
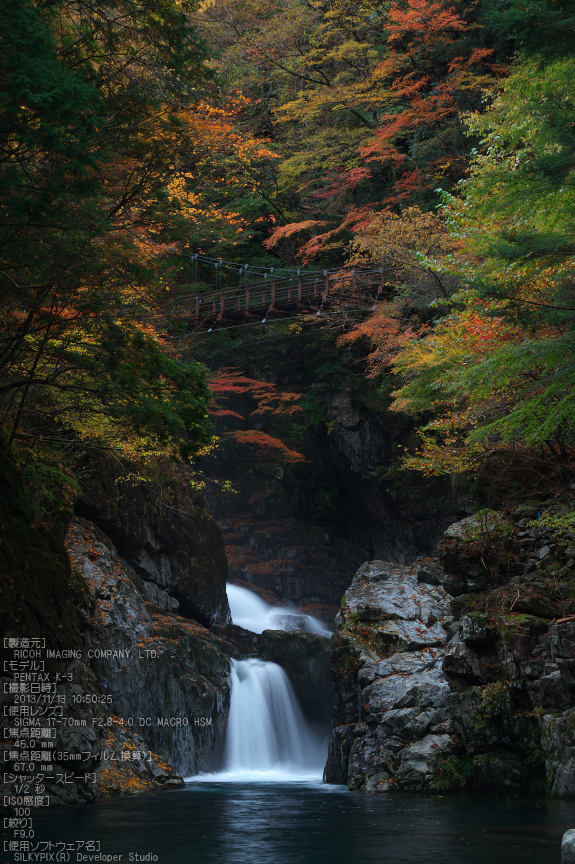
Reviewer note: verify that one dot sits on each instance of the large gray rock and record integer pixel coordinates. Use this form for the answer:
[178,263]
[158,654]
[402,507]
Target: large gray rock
[167,674]
[476,551]
[568,847]
[381,589]
[483,702]
[419,762]
[558,744]
[390,689]
[444,705]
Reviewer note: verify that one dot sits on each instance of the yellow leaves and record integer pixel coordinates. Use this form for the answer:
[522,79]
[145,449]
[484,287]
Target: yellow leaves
[407,234]
[199,157]
[262,153]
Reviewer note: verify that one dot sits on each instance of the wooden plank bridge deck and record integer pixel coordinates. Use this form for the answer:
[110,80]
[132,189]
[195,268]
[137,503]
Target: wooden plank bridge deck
[305,293]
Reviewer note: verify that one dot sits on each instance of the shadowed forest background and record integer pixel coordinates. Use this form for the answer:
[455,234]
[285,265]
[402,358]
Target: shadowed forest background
[433,140]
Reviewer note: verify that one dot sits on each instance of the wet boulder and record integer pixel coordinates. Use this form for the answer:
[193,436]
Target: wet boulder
[166,675]
[420,761]
[568,847]
[476,551]
[305,658]
[390,689]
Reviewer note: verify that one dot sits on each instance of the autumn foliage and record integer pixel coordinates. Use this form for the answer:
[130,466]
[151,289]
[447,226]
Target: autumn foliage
[257,400]
[412,137]
[431,139]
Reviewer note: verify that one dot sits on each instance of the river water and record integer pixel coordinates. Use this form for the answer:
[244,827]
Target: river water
[307,823]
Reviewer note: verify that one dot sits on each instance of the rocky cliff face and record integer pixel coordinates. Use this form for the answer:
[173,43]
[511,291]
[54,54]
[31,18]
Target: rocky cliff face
[40,598]
[397,519]
[299,531]
[305,658]
[270,547]
[390,719]
[146,692]
[164,530]
[166,675]
[436,692]
[292,548]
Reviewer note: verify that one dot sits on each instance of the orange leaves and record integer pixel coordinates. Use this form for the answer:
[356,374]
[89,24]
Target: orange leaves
[316,245]
[476,56]
[387,336]
[423,21]
[285,231]
[481,333]
[234,381]
[356,217]
[425,84]
[270,400]
[197,161]
[207,164]
[356,175]
[280,406]
[280,403]
[225,412]
[264,441]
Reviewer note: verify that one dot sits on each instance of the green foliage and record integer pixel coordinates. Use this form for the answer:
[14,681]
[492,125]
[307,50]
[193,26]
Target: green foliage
[163,399]
[36,588]
[525,177]
[45,104]
[312,417]
[493,699]
[453,774]
[87,150]
[560,522]
[498,370]
[537,26]
[48,476]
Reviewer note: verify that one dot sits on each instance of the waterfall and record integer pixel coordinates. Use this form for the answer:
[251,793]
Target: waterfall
[267,732]
[267,738]
[252,613]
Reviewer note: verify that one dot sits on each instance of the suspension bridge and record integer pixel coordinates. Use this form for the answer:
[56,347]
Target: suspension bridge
[263,293]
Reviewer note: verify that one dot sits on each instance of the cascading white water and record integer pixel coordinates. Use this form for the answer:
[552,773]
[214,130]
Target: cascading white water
[252,613]
[268,737]
[267,732]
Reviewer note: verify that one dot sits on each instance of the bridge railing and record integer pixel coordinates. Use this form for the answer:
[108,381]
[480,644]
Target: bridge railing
[275,294]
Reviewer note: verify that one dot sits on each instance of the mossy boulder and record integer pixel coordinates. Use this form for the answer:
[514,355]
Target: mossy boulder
[477,551]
